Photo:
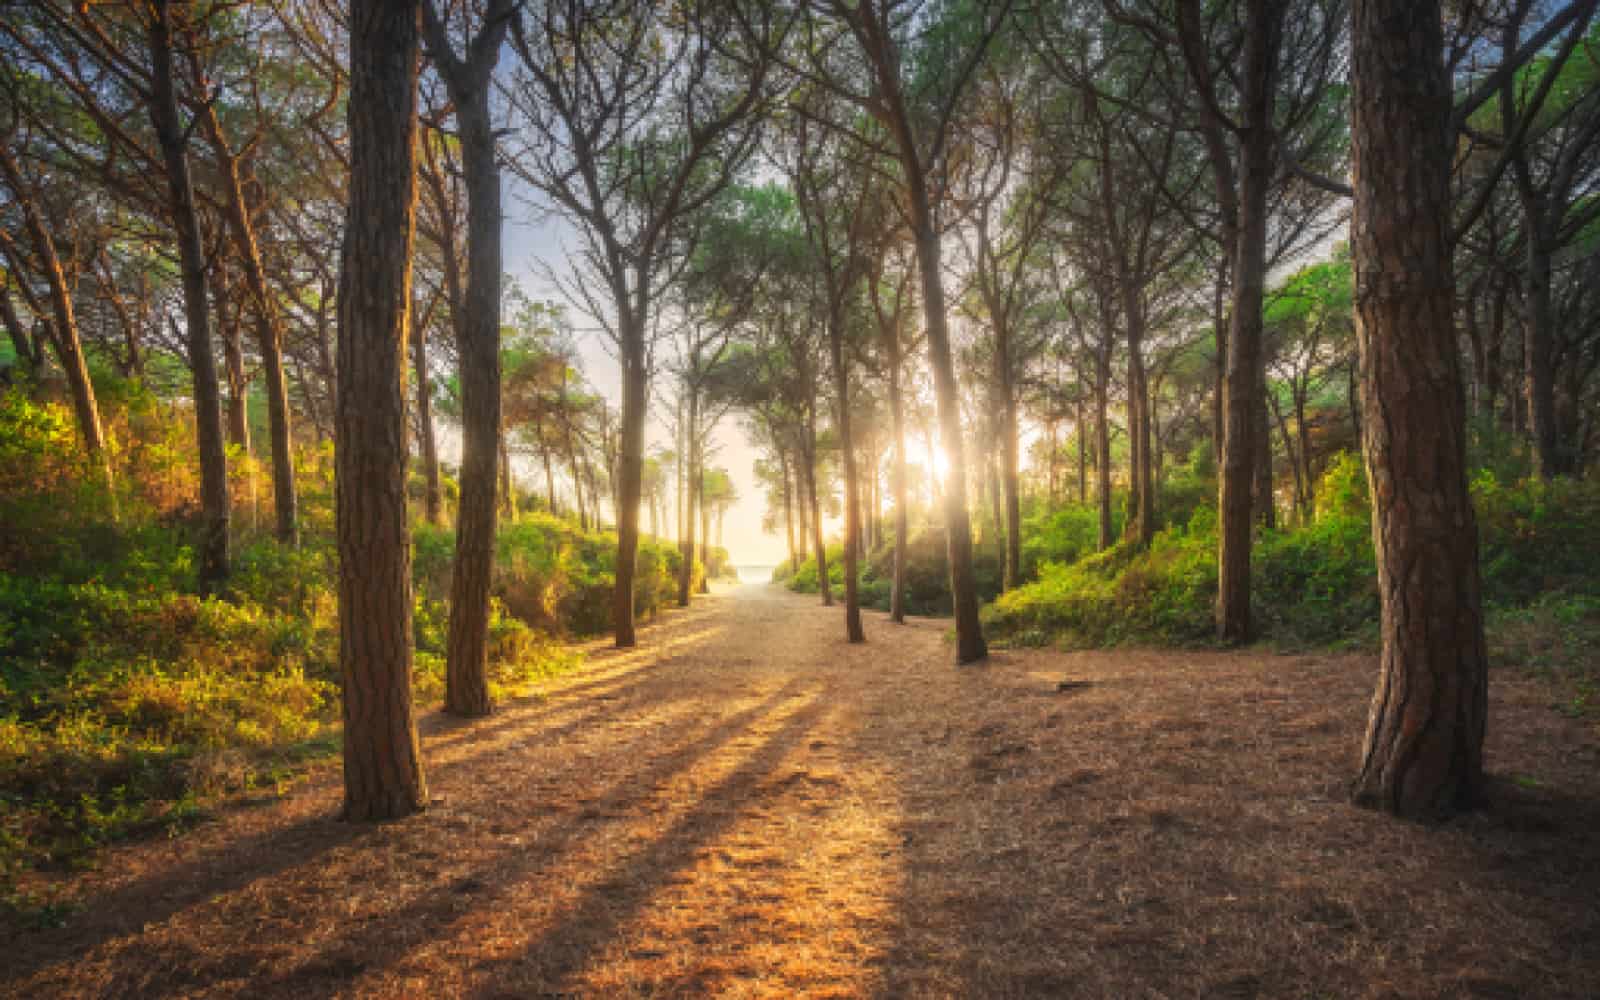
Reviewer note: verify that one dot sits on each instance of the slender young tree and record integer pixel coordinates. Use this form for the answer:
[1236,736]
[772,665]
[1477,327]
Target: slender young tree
[1423,754]
[478,351]
[174,140]
[382,760]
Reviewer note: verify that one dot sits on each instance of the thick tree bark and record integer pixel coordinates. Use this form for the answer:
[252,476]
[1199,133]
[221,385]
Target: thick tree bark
[213,556]
[1423,754]
[382,761]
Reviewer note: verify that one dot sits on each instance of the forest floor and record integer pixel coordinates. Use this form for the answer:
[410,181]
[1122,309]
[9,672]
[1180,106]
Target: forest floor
[747,806]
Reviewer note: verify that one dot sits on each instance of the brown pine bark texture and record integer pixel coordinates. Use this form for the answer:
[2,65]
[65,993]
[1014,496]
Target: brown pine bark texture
[1423,754]
[382,763]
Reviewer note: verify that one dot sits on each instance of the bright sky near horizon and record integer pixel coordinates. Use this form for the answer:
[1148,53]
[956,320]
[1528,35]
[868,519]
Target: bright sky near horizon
[535,243]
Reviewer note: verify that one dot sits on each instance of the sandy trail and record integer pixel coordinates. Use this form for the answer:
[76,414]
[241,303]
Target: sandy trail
[747,806]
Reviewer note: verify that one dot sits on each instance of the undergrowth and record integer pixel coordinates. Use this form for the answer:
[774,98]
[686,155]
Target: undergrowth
[129,701]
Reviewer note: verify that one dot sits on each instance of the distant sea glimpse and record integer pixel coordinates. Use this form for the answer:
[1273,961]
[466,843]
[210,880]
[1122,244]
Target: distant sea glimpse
[755,574]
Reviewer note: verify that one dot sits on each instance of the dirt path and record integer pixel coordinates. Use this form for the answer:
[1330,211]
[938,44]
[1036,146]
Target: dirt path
[747,806]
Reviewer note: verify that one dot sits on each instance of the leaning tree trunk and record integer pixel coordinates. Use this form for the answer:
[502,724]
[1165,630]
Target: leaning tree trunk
[852,504]
[478,350]
[382,762]
[213,548]
[268,339]
[64,330]
[1423,754]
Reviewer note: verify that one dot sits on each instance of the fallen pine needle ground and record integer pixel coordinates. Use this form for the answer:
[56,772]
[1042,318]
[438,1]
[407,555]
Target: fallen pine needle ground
[745,805]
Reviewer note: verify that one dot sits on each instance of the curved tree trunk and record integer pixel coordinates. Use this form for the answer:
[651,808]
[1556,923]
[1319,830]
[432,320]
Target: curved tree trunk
[1423,754]
[63,331]
[214,513]
[382,762]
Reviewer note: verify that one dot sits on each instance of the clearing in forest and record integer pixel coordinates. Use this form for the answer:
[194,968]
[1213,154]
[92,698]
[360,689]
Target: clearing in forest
[747,806]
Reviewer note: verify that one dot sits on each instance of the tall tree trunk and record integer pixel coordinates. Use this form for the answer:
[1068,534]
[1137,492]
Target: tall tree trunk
[1263,500]
[691,492]
[705,532]
[788,510]
[213,547]
[630,472]
[1141,526]
[824,585]
[478,348]
[1240,400]
[902,519]
[847,453]
[802,508]
[1082,435]
[432,493]
[970,645]
[1423,754]
[237,415]
[508,484]
[1011,485]
[382,762]
[1537,352]
[1102,447]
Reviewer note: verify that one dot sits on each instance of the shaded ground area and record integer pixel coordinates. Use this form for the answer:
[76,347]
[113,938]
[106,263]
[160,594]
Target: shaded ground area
[746,806]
